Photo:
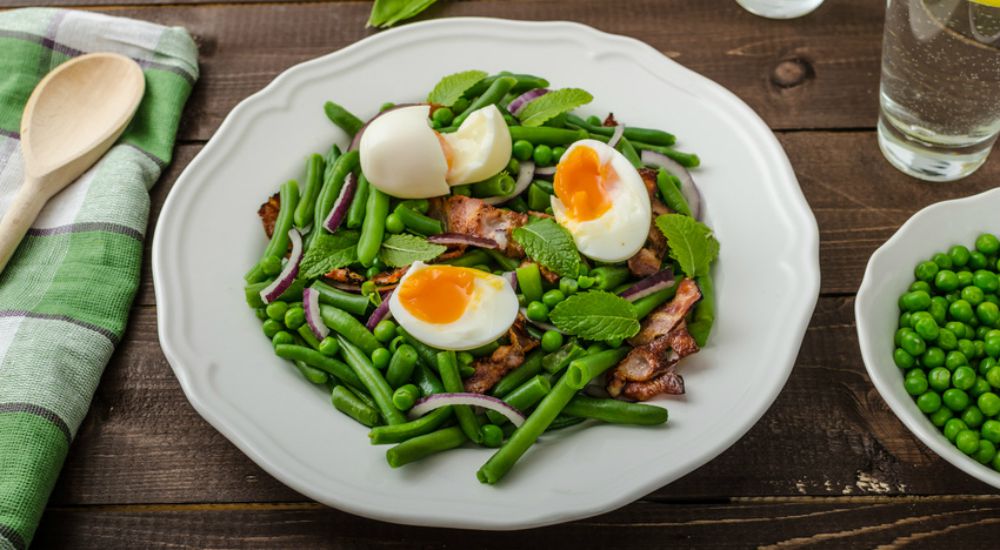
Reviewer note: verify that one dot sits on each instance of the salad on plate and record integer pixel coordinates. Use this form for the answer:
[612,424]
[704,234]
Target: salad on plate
[486,266]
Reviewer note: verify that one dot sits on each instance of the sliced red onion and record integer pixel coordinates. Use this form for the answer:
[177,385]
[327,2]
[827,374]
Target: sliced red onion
[545,171]
[511,277]
[654,283]
[688,187]
[342,204]
[288,273]
[520,101]
[450,239]
[543,326]
[380,313]
[310,303]
[438,400]
[346,287]
[525,174]
[616,136]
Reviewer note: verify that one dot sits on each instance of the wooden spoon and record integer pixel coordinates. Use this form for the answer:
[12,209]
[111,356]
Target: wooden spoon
[71,119]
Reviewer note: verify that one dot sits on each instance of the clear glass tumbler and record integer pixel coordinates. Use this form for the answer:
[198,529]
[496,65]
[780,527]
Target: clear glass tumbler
[940,93]
[779,9]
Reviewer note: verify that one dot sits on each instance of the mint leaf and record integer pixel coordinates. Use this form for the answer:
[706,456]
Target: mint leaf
[328,252]
[537,111]
[549,244]
[386,13]
[402,250]
[691,243]
[596,315]
[451,87]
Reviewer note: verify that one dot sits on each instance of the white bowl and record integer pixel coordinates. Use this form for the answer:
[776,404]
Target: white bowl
[889,273]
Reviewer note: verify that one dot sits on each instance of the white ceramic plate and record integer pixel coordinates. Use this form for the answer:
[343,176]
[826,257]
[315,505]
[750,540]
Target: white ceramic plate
[209,234]
[890,272]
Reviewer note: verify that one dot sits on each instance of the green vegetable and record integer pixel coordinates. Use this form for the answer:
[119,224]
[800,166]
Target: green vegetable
[494,94]
[328,252]
[667,183]
[691,243]
[346,402]
[448,367]
[319,361]
[523,397]
[315,376]
[405,396]
[347,326]
[333,182]
[452,87]
[373,227]
[561,358]
[343,118]
[356,211]
[541,109]
[402,250]
[289,195]
[401,366]
[543,135]
[615,411]
[704,311]
[386,13]
[632,133]
[551,245]
[425,445]
[417,222]
[531,366]
[351,303]
[596,315]
[305,210]
[372,380]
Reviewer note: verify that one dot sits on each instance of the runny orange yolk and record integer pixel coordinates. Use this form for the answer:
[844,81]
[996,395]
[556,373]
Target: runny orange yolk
[580,184]
[438,294]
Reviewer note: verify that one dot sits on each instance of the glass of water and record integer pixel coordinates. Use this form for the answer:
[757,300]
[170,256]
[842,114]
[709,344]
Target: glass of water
[779,9]
[940,93]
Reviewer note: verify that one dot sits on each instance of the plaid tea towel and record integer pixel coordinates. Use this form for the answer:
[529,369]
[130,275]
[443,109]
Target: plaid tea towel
[66,293]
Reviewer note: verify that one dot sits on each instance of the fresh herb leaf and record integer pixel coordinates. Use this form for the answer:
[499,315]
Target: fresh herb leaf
[453,86]
[551,245]
[537,111]
[691,243]
[596,315]
[402,250]
[328,252]
[386,13]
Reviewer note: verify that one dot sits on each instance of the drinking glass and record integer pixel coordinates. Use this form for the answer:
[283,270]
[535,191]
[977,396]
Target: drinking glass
[939,97]
[779,9]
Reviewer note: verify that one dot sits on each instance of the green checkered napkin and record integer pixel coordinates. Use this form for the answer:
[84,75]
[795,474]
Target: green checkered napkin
[66,294]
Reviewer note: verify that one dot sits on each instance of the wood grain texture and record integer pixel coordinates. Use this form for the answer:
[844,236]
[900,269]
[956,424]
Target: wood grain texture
[820,71]
[961,522]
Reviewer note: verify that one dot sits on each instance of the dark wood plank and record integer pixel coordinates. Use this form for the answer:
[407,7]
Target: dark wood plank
[961,522]
[819,71]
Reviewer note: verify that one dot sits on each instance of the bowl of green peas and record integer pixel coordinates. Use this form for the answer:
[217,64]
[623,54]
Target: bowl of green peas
[928,321]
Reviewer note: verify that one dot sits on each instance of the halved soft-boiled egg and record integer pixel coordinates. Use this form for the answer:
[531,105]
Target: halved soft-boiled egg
[601,200]
[454,308]
[403,156]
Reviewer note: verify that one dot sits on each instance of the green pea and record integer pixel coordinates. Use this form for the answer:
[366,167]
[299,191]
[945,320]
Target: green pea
[916,373]
[986,364]
[927,329]
[443,116]
[394,224]
[947,340]
[963,378]
[902,359]
[955,359]
[282,337]
[986,453]
[385,331]
[522,149]
[992,342]
[973,417]
[953,296]
[933,357]
[915,385]
[974,295]
[542,155]
[491,435]
[955,399]
[946,280]
[538,312]
[938,310]
[920,285]
[568,286]
[329,346]
[988,313]
[959,255]
[980,387]
[981,331]
[277,310]
[553,297]
[989,403]
[953,427]
[272,327]
[295,318]
[261,313]
[964,278]
[993,376]
[929,402]
[925,271]
[460,105]
[961,311]
[986,280]
[991,431]
[465,358]
[941,416]
[987,244]
[967,348]
[939,379]
[967,441]
[913,343]
[381,358]
[917,300]
[552,340]
[956,327]
[271,265]
[557,153]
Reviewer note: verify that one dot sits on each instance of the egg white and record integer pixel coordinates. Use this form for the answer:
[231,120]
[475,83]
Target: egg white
[619,233]
[401,154]
[480,147]
[491,311]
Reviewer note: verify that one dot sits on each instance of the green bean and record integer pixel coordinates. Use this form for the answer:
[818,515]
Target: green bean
[330,159]
[485,349]
[584,369]
[352,303]
[564,421]
[474,257]
[497,90]
[333,182]
[427,354]
[531,366]
[615,411]
[704,312]
[671,194]
[289,195]
[523,397]
[505,263]
[356,211]
[426,380]
[448,367]
[424,445]
[417,205]
[608,277]
[529,280]
[401,366]
[561,358]
[687,160]
[252,294]
[462,190]
[364,397]
[498,185]
[408,430]
[305,210]
[405,396]
[632,133]
[311,374]
[546,186]
[306,334]
[417,222]
[538,199]
[645,305]
[544,135]
[319,361]
[346,402]
[343,118]
[628,151]
[347,326]
[372,380]
[373,227]
[525,82]
[517,204]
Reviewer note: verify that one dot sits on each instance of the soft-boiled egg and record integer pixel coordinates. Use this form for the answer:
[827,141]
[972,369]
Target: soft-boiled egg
[453,308]
[403,156]
[601,200]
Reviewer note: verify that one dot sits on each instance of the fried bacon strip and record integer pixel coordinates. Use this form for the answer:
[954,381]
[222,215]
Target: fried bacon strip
[268,213]
[474,217]
[649,258]
[664,318]
[489,370]
[345,276]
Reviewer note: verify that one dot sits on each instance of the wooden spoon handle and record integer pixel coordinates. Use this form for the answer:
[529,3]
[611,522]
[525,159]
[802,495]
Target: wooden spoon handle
[20,214]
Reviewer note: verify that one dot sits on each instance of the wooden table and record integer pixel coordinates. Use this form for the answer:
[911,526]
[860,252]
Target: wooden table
[829,464]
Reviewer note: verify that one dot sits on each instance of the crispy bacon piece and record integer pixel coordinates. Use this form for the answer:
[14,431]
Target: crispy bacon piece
[489,370]
[474,217]
[645,263]
[268,213]
[344,275]
[390,278]
[610,120]
[648,176]
[649,258]
[669,383]
[664,318]
[550,276]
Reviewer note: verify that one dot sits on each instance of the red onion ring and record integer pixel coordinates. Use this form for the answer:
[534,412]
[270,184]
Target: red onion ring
[654,283]
[518,103]
[688,187]
[438,400]
[511,277]
[342,204]
[616,136]
[288,273]
[310,303]
[380,313]
[451,239]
